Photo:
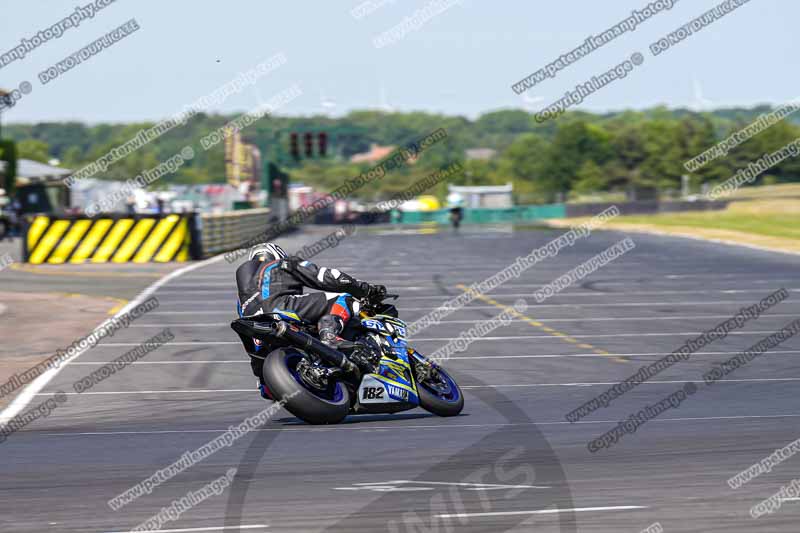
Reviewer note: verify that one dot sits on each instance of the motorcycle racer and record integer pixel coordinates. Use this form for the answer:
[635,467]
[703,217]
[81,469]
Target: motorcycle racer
[270,281]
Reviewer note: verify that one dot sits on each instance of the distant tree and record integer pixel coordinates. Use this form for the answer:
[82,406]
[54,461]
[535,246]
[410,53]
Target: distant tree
[769,141]
[697,136]
[72,158]
[629,150]
[477,172]
[8,154]
[590,178]
[662,167]
[573,145]
[33,150]
[523,164]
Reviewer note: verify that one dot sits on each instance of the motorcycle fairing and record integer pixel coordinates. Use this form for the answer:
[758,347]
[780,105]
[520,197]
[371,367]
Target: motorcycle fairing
[394,373]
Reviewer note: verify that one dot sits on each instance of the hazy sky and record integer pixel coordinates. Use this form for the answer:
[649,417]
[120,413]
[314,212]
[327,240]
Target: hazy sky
[462,61]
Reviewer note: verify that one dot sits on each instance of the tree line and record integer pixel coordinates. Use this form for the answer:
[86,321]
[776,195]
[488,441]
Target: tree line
[631,152]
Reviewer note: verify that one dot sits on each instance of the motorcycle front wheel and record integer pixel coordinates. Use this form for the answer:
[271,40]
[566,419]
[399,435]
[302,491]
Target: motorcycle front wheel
[438,394]
[308,403]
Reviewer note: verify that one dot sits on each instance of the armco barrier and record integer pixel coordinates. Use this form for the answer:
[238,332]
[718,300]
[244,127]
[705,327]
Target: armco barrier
[114,238]
[643,207]
[222,232]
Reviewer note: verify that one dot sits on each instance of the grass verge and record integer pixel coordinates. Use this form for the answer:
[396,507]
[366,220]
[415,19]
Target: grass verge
[770,224]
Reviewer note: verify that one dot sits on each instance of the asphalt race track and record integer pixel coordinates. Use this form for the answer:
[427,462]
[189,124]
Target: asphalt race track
[510,462]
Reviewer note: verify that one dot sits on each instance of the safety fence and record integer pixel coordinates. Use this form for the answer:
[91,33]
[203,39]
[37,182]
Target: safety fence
[532,213]
[520,213]
[57,239]
[222,232]
[645,207]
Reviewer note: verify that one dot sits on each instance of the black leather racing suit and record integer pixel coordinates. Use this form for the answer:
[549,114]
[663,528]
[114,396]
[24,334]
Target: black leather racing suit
[271,287]
[277,286]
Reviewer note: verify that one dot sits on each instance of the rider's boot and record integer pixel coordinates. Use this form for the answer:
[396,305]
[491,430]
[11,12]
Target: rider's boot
[328,328]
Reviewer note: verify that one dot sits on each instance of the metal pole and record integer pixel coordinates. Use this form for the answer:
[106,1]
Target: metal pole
[3,96]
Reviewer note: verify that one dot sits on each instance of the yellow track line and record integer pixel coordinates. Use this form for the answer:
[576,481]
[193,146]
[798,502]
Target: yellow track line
[535,323]
[120,302]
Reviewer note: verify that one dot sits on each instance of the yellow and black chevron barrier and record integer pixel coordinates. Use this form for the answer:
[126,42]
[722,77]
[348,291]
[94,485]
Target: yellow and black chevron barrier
[115,239]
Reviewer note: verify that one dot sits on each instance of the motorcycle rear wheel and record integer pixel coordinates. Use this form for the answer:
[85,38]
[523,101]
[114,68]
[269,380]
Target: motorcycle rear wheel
[308,403]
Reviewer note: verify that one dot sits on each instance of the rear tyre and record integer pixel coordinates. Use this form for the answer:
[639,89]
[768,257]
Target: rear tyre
[439,394]
[308,403]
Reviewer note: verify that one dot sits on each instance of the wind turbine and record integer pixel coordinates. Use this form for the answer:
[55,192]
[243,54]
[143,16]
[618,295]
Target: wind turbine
[259,98]
[699,102]
[384,103]
[326,103]
[529,102]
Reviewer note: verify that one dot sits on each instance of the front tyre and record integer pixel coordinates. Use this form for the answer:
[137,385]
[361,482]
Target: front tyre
[438,392]
[311,404]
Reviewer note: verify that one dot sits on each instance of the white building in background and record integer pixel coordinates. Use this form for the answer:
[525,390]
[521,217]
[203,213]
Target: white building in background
[470,196]
[480,154]
[92,191]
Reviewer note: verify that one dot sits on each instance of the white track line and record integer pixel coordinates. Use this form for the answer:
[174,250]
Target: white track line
[434,288]
[532,307]
[465,387]
[128,393]
[29,392]
[590,336]
[740,277]
[194,529]
[455,484]
[467,358]
[231,312]
[175,343]
[601,356]
[398,427]
[605,383]
[442,297]
[543,511]
[482,339]
[232,284]
[607,319]
[208,362]
[188,325]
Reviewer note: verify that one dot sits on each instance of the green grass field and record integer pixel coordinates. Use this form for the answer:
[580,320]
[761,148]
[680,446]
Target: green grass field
[783,190]
[766,217]
[772,218]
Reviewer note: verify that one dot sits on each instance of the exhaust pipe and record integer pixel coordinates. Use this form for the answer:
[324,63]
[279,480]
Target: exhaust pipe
[302,340]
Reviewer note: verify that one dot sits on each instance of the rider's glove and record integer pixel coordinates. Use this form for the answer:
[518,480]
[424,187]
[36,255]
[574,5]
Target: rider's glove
[375,293]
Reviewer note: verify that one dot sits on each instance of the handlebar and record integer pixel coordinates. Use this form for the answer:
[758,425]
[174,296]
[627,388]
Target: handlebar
[374,303]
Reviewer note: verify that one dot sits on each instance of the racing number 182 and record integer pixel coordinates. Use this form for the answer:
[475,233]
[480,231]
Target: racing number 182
[372,393]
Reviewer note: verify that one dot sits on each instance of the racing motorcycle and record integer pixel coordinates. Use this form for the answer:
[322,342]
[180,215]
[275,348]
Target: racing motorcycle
[322,385]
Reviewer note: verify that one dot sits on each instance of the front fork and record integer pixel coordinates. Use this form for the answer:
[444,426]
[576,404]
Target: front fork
[423,368]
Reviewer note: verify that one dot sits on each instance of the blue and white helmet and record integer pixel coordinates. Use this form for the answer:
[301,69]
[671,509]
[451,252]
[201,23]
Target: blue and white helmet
[267,250]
